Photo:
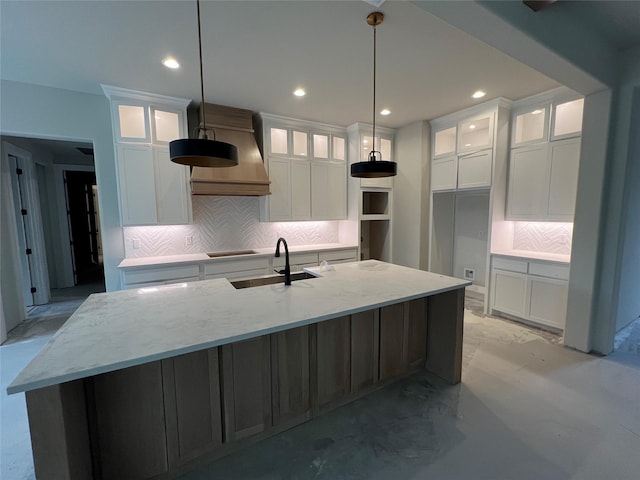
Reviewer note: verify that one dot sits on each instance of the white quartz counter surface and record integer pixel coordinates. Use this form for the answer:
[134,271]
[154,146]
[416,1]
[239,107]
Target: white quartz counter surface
[121,329]
[191,258]
[527,254]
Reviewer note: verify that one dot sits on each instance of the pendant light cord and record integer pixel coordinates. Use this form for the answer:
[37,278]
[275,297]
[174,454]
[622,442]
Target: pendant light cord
[202,113]
[373,146]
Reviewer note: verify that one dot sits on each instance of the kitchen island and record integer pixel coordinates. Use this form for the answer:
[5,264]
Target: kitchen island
[145,383]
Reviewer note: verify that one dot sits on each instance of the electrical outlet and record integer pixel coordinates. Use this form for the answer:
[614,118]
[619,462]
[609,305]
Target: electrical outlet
[188,240]
[469,273]
[135,243]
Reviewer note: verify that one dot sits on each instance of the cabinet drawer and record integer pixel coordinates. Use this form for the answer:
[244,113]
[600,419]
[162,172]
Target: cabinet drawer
[230,266]
[549,270]
[338,256]
[160,275]
[305,259]
[510,264]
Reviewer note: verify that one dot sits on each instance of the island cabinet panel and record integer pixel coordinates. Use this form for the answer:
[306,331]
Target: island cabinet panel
[128,423]
[364,349]
[393,341]
[290,375]
[332,356]
[416,311]
[246,383]
[59,431]
[445,312]
[191,385]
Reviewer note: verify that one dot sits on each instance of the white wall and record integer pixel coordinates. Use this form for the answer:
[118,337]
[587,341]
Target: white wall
[43,112]
[411,196]
[470,235]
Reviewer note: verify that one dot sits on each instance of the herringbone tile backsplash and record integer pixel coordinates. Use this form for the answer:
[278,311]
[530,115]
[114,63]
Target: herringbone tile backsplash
[550,237]
[225,223]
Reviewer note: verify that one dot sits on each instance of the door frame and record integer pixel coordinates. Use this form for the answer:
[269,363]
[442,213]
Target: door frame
[39,270]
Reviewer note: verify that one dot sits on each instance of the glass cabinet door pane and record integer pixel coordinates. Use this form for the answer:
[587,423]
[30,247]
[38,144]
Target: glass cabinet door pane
[475,134]
[132,121]
[367,146]
[338,148]
[300,145]
[445,142]
[530,126]
[279,141]
[167,126]
[321,146]
[568,118]
[385,148]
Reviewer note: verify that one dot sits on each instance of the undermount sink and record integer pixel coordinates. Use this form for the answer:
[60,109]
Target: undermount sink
[258,282]
[230,253]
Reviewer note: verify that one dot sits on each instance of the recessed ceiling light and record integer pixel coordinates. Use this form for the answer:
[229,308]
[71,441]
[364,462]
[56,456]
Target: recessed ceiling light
[385,111]
[299,92]
[170,62]
[536,112]
[467,144]
[479,94]
[472,126]
[365,141]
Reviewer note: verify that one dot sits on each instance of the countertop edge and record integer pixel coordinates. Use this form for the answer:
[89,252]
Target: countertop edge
[566,260]
[140,262]
[29,386]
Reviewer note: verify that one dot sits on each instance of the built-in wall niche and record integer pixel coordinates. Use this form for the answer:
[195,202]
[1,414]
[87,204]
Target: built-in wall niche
[375,203]
[375,240]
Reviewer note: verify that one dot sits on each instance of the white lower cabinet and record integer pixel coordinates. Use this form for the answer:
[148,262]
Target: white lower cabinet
[160,275]
[510,292]
[548,301]
[238,268]
[534,291]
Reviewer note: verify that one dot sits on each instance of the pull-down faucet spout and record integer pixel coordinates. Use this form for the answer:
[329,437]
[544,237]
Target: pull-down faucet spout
[287,268]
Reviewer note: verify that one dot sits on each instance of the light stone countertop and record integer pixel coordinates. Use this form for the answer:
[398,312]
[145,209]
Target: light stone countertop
[121,329]
[196,258]
[527,254]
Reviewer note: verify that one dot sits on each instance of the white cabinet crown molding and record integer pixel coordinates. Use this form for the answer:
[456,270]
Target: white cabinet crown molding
[116,93]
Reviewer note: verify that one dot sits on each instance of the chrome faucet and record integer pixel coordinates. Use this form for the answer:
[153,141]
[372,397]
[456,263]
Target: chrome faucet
[287,268]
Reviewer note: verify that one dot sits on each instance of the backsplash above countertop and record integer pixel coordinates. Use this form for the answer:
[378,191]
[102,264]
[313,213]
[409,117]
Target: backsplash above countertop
[549,237]
[224,223]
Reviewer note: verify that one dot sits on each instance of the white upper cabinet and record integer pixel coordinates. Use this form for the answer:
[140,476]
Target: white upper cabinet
[288,142]
[444,142]
[300,143]
[152,189]
[545,157]
[475,134]
[278,141]
[543,181]
[307,168]
[338,148]
[132,122]
[530,125]
[320,146]
[567,119]
[444,173]
[474,170]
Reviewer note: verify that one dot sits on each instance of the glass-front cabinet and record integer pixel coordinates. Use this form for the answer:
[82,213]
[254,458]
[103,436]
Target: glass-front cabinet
[444,142]
[530,125]
[475,134]
[567,119]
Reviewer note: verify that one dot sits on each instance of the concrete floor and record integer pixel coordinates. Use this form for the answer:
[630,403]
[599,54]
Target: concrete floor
[527,408]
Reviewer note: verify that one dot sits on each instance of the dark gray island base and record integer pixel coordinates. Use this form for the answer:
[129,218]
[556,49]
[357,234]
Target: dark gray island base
[162,418]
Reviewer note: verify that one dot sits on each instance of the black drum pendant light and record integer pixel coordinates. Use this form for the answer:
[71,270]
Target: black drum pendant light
[374,167]
[202,152]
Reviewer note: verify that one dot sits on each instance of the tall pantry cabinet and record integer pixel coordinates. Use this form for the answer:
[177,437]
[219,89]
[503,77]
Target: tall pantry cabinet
[468,185]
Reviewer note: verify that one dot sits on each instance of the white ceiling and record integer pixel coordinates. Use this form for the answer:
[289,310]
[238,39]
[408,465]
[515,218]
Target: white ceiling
[256,53]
